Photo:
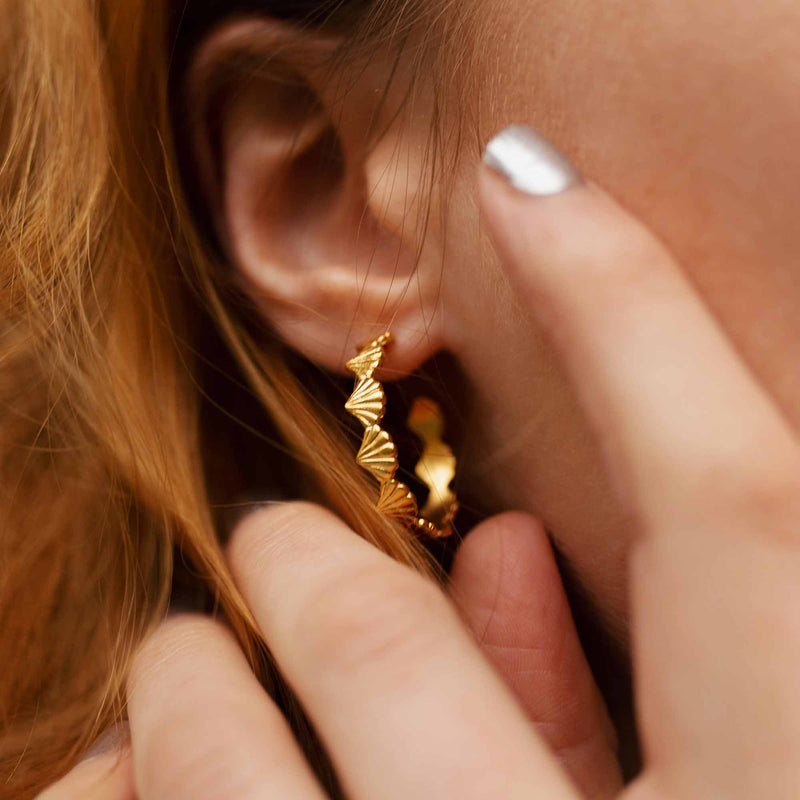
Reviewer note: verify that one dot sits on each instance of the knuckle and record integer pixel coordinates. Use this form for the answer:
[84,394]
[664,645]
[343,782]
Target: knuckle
[762,497]
[385,616]
[771,495]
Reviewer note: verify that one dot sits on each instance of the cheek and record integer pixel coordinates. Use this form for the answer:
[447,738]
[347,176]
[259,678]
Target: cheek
[687,111]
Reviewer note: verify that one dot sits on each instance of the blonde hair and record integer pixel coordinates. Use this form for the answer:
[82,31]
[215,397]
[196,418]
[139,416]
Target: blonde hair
[105,292]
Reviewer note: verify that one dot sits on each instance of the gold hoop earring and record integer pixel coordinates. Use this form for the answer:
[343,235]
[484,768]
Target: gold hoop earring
[378,453]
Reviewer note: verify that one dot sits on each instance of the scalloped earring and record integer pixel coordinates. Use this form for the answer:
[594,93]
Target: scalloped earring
[378,454]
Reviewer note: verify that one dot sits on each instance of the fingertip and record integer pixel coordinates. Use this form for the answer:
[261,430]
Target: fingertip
[492,537]
[531,163]
[545,219]
[507,586]
[509,526]
[506,557]
[523,177]
[164,658]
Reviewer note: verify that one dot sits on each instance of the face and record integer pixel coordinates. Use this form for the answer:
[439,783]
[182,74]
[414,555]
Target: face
[685,110]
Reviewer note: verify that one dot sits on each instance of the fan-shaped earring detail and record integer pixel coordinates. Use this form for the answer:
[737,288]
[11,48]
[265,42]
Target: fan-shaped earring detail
[370,358]
[396,500]
[378,453]
[368,402]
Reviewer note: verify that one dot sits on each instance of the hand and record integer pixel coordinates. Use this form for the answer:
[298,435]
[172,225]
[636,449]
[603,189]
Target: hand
[705,463]
[396,686]
[400,693]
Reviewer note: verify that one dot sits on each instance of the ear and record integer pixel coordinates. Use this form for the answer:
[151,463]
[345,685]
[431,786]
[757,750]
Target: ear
[314,170]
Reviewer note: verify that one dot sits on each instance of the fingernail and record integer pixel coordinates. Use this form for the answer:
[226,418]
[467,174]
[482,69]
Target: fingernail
[115,738]
[529,162]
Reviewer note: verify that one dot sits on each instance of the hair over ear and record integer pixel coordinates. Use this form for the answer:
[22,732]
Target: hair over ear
[314,169]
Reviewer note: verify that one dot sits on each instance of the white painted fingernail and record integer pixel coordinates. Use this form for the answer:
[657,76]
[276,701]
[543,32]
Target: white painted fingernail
[529,162]
[114,738]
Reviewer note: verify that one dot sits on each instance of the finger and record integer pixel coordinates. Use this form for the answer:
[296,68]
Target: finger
[671,397]
[103,777]
[506,585]
[702,458]
[202,728]
[400,694]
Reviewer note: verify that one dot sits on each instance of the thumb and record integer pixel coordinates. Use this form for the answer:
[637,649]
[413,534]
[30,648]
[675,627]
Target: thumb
[508,589]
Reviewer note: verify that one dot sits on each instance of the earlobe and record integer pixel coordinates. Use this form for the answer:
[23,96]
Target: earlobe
[315,192]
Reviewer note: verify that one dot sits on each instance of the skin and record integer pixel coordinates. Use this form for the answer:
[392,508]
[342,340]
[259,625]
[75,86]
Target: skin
[379,657]
[642,352]
[683,111]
